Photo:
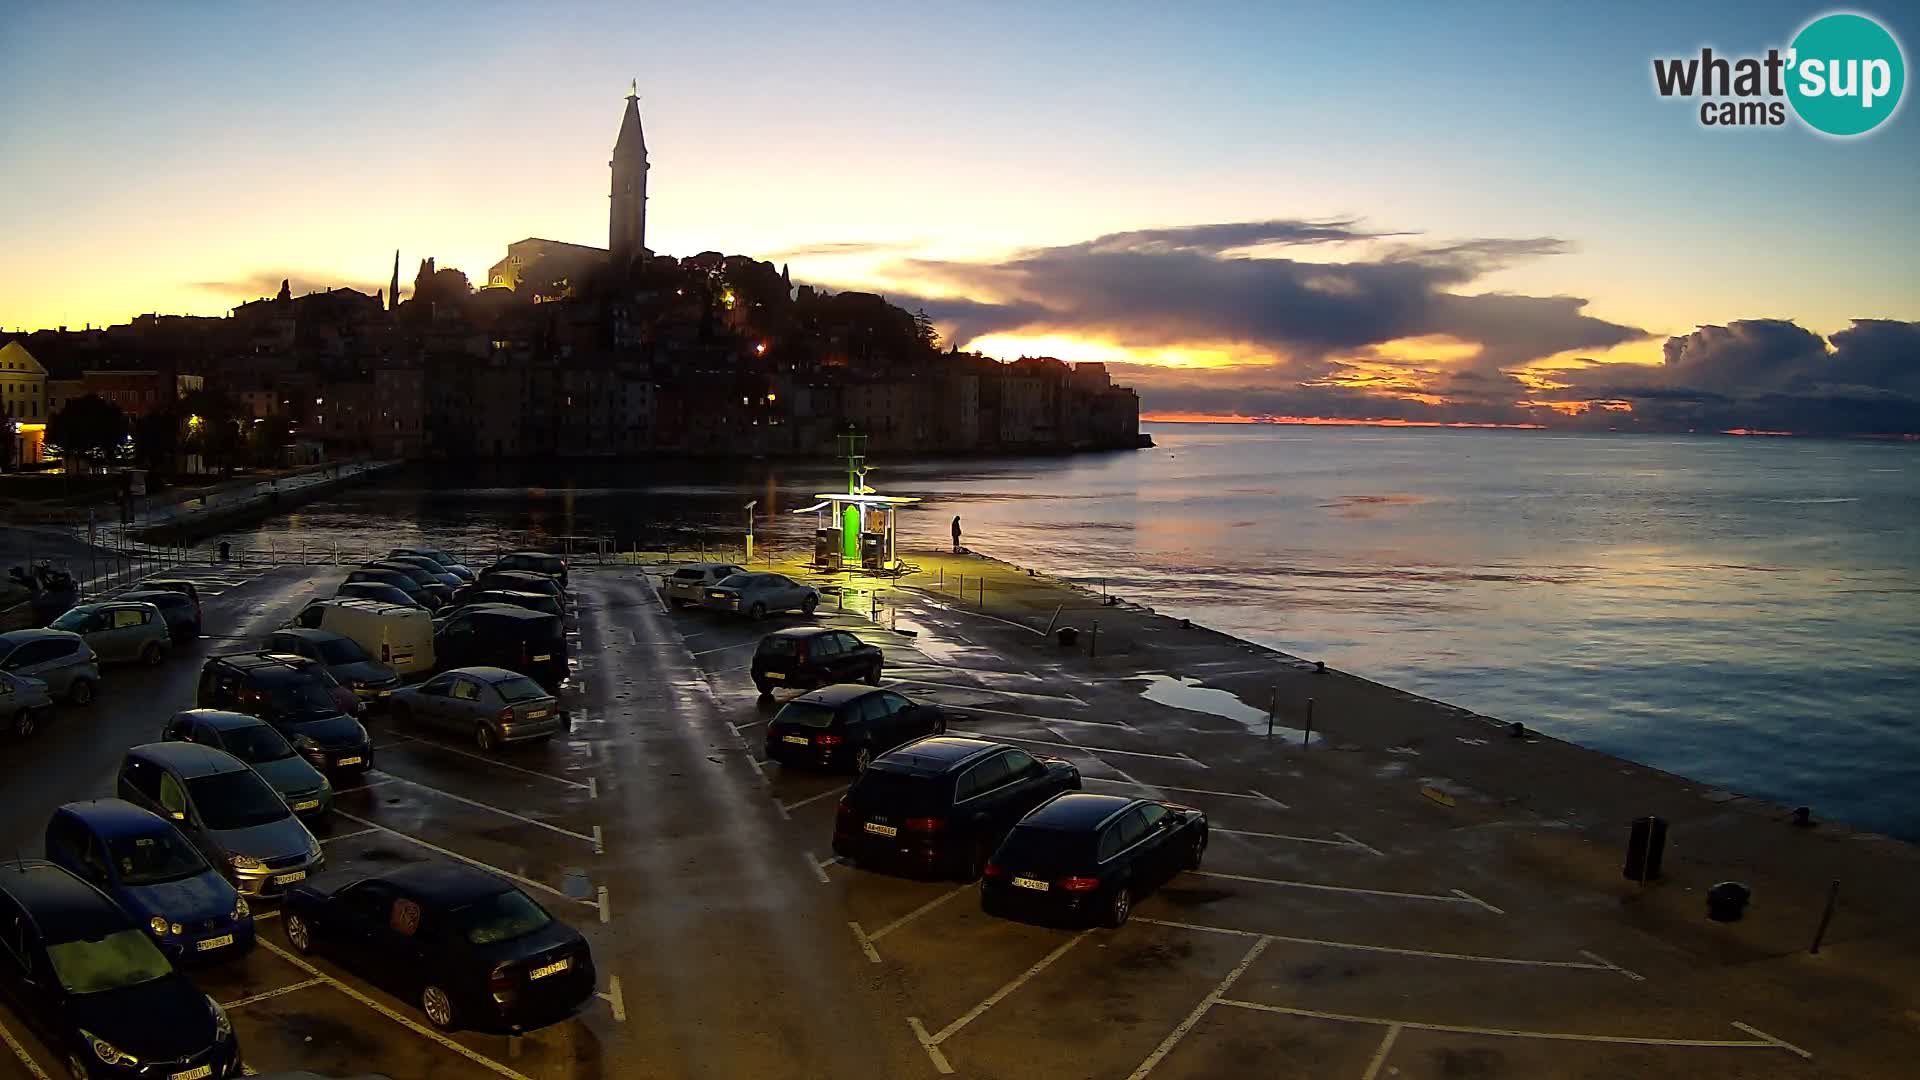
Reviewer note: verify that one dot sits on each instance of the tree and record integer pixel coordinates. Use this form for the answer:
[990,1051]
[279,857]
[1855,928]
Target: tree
[213,429]
[9,435]
[156,441]
[923,329]
[90,429]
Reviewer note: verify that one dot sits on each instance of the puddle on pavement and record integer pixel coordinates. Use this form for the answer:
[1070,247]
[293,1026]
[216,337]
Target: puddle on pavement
[1187,693]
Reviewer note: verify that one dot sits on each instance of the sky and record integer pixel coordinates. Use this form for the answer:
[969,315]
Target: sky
[1415,212]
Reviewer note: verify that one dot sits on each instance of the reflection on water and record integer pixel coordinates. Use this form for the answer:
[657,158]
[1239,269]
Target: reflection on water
[1738,610]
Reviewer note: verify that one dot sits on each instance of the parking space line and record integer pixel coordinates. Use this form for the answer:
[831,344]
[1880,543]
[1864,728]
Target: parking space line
[1766,1042]
[1258,794]
[33,1066]
[1016,983]
[819,869]
[991,690]
[1369,848]
[1284,836]
[1355,946]
[522,818]
[615,998]
[1604,962]
[1041,720]
[605,905]
[265,994]
[1781,1043]
[728,648]
[1184,790]
[1472,899]
[491,761]
[1080,747]
[1462,898]
[1219,991]
[369,785]
[490,868]
[346,836]
[940,1063]
[866,943]
[917,912]
[404,1021]
[1380,1055]
[792,806]
[599,843]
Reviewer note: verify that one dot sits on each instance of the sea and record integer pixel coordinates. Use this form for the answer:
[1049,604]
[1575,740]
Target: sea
[1744,611]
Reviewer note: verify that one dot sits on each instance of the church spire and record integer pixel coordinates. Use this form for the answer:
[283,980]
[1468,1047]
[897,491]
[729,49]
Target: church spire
[393,291]
[627,216]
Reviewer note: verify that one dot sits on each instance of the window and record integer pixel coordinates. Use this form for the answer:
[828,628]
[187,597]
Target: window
[173,797]
[143,777]
[983,777]
[125,617]
[367,903]
[826,647]
[873,708]
[1021,764]
[895,703]
[437,685]
[1153,814]
[465,690]
[1126,832]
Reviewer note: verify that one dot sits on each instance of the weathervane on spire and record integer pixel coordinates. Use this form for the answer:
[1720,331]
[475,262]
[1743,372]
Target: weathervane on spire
[633,89]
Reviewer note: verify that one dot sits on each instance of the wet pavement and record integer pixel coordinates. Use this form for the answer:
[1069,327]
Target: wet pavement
[1340,926]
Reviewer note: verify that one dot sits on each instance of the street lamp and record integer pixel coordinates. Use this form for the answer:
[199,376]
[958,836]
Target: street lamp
[750,507]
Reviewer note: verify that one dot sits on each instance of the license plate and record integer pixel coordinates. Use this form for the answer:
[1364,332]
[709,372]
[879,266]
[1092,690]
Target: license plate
[288,879]
[800,739]
[214,942]
[542,659]
[349,761]
[554,968]
[198,1072]
[536,714]
[1031,883]
[774,674]
[307,804]
[882,830]
[386,693]
[403,658]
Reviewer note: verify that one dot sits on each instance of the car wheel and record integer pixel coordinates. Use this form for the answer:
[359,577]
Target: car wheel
[1199,849]
[483,737]
[81,692]
[1119,908]
[861,759]
[152,653]
[438,1007]
[25,723]
[807,605]
[766,689]
[299,935]
[757,612]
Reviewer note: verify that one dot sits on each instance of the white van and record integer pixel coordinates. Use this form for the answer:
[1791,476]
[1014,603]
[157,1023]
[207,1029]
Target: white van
[399,637]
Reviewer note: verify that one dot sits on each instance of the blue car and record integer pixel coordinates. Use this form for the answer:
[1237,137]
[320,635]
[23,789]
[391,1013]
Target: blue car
[156,875]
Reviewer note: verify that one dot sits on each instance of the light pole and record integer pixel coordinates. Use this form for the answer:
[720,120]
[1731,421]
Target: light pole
[750,507]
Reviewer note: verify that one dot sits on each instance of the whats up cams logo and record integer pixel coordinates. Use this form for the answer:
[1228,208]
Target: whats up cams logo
[1843,75]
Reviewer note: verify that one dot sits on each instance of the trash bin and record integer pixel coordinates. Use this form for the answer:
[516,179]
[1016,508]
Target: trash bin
[1646,845]
[1727,901]
[1067,635]
[226,551]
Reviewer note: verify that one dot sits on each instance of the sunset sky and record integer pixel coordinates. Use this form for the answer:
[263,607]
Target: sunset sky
[1421,211]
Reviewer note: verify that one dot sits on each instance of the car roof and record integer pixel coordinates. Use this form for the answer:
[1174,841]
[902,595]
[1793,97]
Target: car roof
[62,906]
[487,674]
[190,760]
[261,658]
[838,694]
[361,603]
[1077,810]
[168,581]
[445,882]
[153,595]
[514,592]
[531,554]
[221,719]
[501,571]
[310,633]
[804,631]
[115,817]
[505,611]
[939,754]
[19,637]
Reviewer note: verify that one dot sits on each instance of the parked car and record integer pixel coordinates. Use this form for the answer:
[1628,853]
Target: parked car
[305,789]
[96,989]
[374,590]
[370,680]
[440,573]
[428,580]
[24,703]
[226,810]
[119,630]
[502,635]
[398,636]
[496,706]
[471,949]
[294,695]
[515,581]
[942,805]
[179,585]
[539,562]
[155,875]
[758,595]
[847,726]
[545,603]
[61,659]
[687,585]
[401,581]
[182,615]
[806,657]
[453,566]
[1083,858]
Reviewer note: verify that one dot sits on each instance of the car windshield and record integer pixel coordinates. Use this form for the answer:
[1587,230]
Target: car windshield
[500,917]
[414,573]
[806,714]
[342,651]
[235,800]
[1046,851]
[256,744]
[154,858]
[515,691]
[122,958]
[73,621]
[910,794]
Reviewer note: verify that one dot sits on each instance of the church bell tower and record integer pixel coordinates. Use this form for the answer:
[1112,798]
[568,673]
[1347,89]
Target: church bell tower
[627,217]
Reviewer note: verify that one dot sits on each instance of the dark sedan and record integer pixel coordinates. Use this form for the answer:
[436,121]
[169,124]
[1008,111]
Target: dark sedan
[469,948]
[180,611]
[1084,858]
[803,657]
[847,726]
[378,590]
[942,805]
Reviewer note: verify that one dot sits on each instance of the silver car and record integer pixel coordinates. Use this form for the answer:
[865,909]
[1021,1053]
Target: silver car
[687,585]
[236,820]
[61,660]
[758,595]
[119,630]
[23,702]
[493,704]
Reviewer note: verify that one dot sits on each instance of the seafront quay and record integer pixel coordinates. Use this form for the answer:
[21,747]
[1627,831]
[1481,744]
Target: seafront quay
[1408,891]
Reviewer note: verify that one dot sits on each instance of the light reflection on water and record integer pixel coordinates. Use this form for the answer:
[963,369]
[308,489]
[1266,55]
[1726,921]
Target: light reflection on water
[1738,610]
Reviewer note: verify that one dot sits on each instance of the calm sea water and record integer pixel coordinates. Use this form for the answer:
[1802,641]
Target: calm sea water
[1742,611]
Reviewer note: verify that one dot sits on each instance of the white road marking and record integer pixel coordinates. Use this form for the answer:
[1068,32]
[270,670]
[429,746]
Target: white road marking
[727,648]
[346,836]
[404,1021]
[264,995]
[1283,836]
[363,787]
[1472,899]
[940,1063]
[603,903]
[1079,747]
[1611,966]
[1380,1055]
[470,861]
[866,943]
[32,1065]
[496,762]
[522,818]
[599,843]
[991,690]
[1258,794]
[615,998]
[1130,782]
[1219,991]
[1040,720]
[1016,983]
[1781,1043]
[1364,847]
[1429,954]
[819,868]
[593,784]
[1763,1042]
[792,806]
[917,912]
[1462,898]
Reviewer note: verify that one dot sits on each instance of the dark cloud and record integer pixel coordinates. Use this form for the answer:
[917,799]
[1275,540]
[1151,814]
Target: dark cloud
[267,283]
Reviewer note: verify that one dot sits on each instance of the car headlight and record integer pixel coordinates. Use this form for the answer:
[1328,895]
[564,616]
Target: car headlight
[325,784]
[108,1053]
[240,909]
[222,1027]
[244,862]
[158,924]
[313,847]
[305,744]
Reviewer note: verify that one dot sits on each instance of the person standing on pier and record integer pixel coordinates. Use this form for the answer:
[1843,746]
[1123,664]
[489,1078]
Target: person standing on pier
[956,534]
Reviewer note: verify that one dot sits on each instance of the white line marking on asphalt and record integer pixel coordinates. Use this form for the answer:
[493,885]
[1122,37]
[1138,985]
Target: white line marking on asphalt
[470,861]
[603,903]
[1369,848]
[1766,1042]
[1076,746]
[1380,1055]
[940,1063]
[727,648]
[547,825]
[1017,982]
[32,1065]
[1284,884]
[1610,965]
[347,836]
[866,943]
[363,787]
[781,807]
[615,998]
[406,1022]
[1429,954]
[819,868]
[1130,782]
[1041,720]
[599,844]
[815,798]
[1258,794]
[1173,1038]
[264,995]
[917,912]
[496,762]
[991,690]
[1781,1043]
[593,783]
[1472,899]
[1282,836]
